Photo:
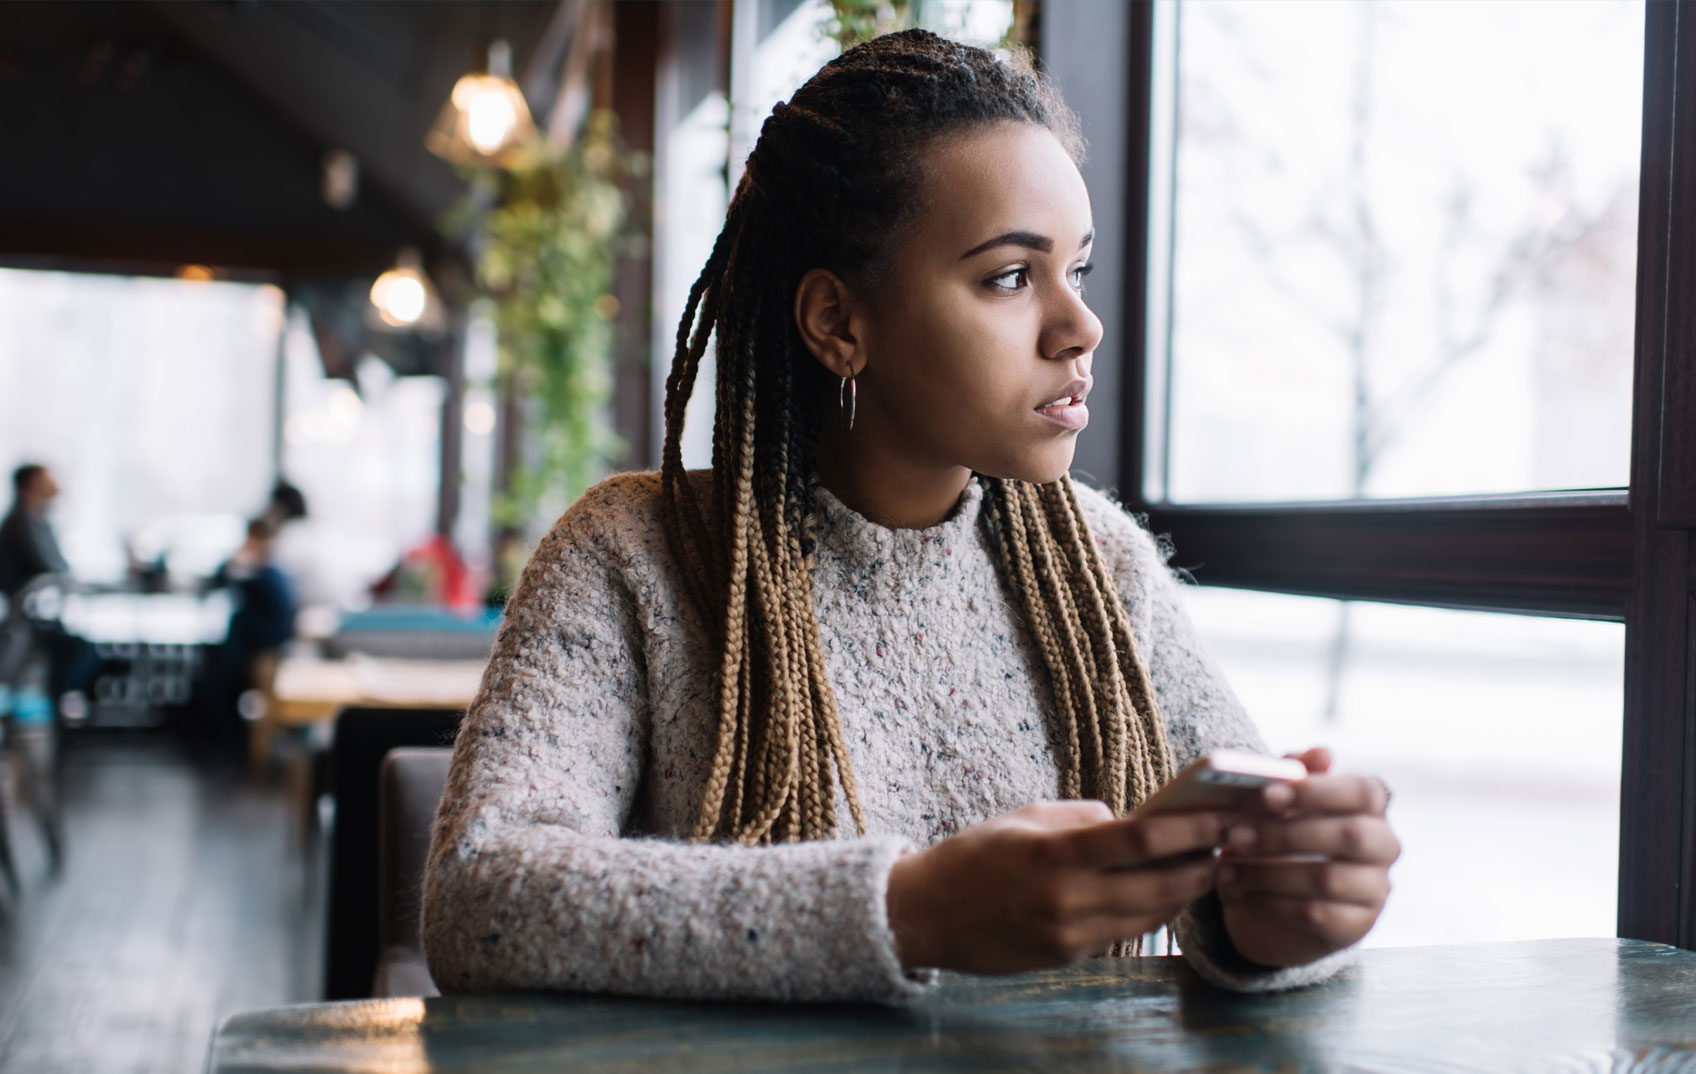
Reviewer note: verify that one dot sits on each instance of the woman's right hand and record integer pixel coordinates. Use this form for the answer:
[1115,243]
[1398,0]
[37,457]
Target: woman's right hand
[1047,885]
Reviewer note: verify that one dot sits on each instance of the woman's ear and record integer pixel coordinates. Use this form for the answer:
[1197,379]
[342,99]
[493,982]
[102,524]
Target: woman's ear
[825,315]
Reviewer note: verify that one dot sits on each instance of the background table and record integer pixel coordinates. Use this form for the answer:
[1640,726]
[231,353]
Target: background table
[1576,1005]
[313,691]
[308,693]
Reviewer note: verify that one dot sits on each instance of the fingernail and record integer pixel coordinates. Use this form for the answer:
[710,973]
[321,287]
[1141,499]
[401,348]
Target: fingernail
[1242,838]
[1278,796]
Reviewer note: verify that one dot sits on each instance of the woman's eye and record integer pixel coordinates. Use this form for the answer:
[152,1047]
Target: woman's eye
[1019,278]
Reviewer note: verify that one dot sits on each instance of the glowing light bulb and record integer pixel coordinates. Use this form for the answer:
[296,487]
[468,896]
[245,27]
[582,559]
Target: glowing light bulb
[401,296]
[485,120]
[406,300]
[489,120]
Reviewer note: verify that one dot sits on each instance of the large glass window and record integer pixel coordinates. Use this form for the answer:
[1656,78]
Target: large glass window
[367,455]
[1391,269]
[1393,247]
[154,401]
[1499,734]
[151,400]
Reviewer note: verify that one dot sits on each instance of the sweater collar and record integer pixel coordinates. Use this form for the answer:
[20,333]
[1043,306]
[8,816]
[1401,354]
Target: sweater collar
[858,543]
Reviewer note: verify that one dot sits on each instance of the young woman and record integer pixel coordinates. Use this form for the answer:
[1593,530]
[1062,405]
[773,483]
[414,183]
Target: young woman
[876,693]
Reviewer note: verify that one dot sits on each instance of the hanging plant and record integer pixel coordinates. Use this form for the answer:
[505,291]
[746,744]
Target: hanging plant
[853,21]
[546,250]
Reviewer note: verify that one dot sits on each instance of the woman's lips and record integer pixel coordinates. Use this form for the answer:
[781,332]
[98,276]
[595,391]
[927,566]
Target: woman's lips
[1069,416]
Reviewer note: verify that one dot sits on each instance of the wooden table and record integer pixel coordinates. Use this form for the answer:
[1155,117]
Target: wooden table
[309,693]
[306,693]
[1568,1005]
[313,691]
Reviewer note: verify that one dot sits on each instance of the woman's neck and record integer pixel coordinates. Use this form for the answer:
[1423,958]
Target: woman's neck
[889,490]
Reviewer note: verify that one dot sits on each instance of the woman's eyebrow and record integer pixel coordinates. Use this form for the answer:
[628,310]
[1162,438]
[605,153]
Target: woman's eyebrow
[1028,239]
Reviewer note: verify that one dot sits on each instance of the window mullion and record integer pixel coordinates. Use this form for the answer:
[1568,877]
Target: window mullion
[1569,556]
[1657,859]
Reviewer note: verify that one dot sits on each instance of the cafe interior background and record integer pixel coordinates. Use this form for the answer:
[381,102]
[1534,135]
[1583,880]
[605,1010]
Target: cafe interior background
[423,263]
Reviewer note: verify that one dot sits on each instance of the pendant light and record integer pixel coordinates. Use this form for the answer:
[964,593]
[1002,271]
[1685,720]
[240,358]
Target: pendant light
[403,298]
[485,120]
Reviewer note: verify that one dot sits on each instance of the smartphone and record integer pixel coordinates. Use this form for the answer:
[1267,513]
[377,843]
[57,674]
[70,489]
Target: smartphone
[1225,781]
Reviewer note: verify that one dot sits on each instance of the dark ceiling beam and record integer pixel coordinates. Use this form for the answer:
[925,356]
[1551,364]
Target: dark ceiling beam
[367,78]
[140,153]
[134,249]
[322,90]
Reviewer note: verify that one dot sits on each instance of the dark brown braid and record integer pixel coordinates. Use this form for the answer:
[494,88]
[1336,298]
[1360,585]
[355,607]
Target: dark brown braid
[831,180]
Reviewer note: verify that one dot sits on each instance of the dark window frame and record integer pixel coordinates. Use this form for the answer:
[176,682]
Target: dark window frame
[1622,555]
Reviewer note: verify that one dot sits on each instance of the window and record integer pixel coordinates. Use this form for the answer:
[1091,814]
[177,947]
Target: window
[367,456]
[151,411]
[1401,248]
[1500,735]
[1248,496]
[157,415]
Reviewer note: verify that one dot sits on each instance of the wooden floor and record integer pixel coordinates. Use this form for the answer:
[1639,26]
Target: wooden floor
[182,901]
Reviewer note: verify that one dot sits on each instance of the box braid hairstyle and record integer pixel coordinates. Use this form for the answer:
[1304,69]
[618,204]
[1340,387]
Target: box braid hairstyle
[830,182]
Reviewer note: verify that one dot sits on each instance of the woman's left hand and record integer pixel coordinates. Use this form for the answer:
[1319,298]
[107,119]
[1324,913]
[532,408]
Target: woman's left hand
[1310,875]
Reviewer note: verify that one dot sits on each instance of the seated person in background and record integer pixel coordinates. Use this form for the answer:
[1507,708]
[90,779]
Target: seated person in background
[27,546]
[288,504]
[28,551]
[431,572]
[261,624]
[879,692]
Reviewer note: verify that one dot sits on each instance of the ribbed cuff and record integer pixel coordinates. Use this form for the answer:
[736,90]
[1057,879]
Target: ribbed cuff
[1207,946]
[903,984]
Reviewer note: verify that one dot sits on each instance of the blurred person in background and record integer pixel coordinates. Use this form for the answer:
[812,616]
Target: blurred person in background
[29,551]
[261,624]
[39,662]
[432,573]
[288,504]
[28,548]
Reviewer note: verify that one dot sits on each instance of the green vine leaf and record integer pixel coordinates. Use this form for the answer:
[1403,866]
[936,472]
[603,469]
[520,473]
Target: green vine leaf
[549,242]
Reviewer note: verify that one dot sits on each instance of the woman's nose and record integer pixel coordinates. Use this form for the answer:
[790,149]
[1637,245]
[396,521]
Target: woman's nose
[1073,330]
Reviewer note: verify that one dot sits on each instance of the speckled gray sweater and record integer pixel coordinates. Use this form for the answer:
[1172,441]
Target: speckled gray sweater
[558,858]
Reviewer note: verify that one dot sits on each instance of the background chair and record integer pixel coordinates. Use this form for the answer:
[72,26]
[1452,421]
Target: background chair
[363,737]
[410,785]
[29,716]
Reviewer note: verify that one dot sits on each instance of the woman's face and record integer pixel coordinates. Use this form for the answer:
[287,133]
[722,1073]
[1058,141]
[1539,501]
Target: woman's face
[978,345]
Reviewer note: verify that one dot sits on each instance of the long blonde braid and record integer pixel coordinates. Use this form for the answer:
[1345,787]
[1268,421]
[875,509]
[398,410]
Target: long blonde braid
[1111,729]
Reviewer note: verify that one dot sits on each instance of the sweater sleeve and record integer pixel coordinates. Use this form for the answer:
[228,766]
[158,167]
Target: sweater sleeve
[1202,714]
[535,879]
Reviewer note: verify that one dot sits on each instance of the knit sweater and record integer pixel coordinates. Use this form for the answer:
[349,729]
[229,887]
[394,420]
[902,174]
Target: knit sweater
[559,858]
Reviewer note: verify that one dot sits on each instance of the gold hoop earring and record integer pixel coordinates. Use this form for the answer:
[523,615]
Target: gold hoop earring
[847,400]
